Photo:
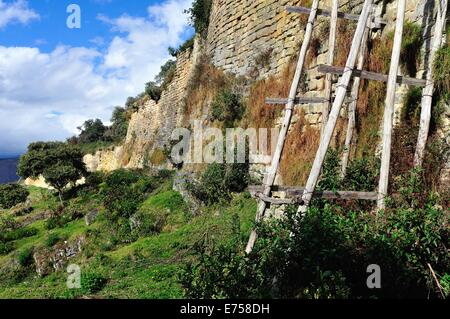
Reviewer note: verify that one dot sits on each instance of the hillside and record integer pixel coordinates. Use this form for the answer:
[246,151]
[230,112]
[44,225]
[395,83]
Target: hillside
[140,224]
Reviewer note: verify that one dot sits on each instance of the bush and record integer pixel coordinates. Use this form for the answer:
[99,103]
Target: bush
[53,239]
[325,254]
[188,44]
[199,14]
[227,108]
[6,248]
[20,233]
[218,181]
[147,223]
[153,90]
[92,282]
[25,257]
[12,194]
[441,69]
[123,192]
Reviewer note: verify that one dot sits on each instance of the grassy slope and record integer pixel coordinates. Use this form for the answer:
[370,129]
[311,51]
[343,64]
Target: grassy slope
[147,268]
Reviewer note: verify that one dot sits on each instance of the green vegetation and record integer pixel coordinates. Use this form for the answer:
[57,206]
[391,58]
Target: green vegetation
[188,44]
[12,194]
[219,181]
[441,69]
[91,131]
[324,255]
[227,108]
[60,164]
[199,14]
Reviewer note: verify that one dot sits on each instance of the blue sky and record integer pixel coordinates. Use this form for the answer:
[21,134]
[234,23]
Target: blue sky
[52,78]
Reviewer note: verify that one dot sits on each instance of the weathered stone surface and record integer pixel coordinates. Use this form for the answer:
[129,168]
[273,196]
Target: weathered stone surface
[47,260]
[90,217]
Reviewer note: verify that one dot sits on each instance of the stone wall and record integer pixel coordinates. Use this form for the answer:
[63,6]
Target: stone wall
[151,126]
[240,32]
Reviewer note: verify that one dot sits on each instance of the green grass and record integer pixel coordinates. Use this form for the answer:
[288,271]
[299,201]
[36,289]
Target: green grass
[147,268]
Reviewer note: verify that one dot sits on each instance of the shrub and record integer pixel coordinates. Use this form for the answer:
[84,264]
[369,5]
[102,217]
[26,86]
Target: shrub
[146,223]
[218,181]
[153,90]
[6,248]
[12,194]
[188,44]
[441,69]
[227,108]
[92,282]
[25,257]
[94,179]
[53,239]
[362,174]
[325,254]
[20,233]
[199,14]
[411,45]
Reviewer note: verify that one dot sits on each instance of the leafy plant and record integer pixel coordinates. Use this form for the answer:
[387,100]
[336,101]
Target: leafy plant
[227,108]
[60,164]
[199,13]
[25,257]
[12,194]
[92,282]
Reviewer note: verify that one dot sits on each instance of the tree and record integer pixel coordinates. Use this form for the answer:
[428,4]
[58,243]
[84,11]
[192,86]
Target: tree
[92,131]
[119,126]
[59,163]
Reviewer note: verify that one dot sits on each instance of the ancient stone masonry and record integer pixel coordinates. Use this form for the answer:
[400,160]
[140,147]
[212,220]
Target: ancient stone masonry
[254,39]
[151,126]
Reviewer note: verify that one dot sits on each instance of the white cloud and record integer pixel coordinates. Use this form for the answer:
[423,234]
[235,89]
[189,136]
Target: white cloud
[46,96]
[16,12]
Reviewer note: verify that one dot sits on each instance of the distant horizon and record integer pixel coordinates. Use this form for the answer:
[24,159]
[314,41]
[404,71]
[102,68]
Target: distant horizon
[56,75]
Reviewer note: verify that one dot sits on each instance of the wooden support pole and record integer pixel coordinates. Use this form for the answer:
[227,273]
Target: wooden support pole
[376,23]
[352,105]
[427,93]
[341,91]
[298,100]
[323,68]
[297,192]
[389,106]
[270,178]
[330,59]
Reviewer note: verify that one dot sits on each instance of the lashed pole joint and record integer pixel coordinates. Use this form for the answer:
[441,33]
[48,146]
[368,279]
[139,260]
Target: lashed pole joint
[270,178]
[341,92]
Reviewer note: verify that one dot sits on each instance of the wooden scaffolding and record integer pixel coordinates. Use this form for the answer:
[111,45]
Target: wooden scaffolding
[331,107]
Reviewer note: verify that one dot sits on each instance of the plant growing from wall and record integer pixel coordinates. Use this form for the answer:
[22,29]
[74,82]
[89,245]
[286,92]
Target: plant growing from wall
[199,14]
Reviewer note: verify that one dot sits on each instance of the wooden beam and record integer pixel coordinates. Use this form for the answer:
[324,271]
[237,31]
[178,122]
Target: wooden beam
[427,93]
[297,192]
[298,100]
[341,92]
[330,58]
[376,23]
[270,177]
[352,106]
[323,68]
[388,120]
